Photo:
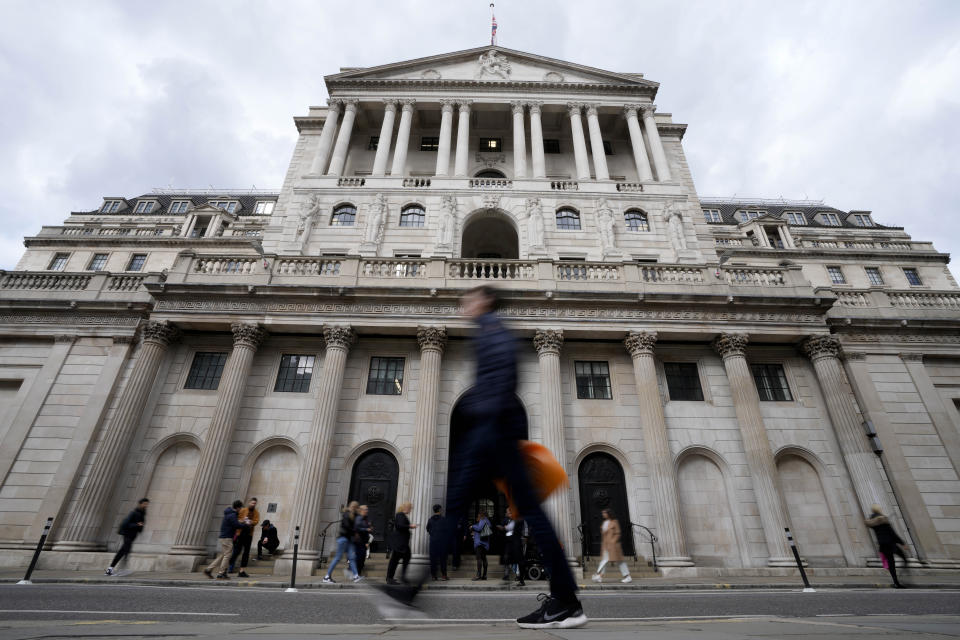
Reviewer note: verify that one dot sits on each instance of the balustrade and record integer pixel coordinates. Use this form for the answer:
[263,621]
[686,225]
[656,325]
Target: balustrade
[852,299]
[124,283]
[226,264]
[588,271]
[924,300]
[351,182]
[417,183]
[326,267]
[45,281]
[754,277]
[629,187]
[393,269]
[491,183]
[565,185]
[491,270]
[662,273]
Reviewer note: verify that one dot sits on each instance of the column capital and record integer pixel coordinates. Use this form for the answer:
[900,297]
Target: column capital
[816,347]
[408,104]
[350,104]
[731,344]
[161,332]
[339,336]
[630,109]
[640,343]
[465,105]
[591,110]
[911,357]
[247,335]
[647,109]
[432,338]
[534,106]
[574,108]
[446,105]
[390,104]
[335,104]
[516,106]
[547,341]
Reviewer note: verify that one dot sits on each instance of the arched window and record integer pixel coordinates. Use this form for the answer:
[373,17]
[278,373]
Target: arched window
[490,173]
[568,219]
[636,220]
[412,215]
[344,216]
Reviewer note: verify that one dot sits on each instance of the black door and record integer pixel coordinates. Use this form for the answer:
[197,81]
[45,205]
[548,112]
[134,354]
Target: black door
[602,487]
[374,483]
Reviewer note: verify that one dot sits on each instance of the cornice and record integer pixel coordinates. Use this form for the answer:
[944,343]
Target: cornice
[162,241]
[835,252]
[486,86]
[671,129]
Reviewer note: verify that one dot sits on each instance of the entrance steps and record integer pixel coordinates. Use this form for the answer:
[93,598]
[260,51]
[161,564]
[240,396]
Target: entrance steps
[639,568]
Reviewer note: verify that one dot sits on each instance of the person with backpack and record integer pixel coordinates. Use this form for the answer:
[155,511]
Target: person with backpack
[400,543]
[482,532]
[130,528]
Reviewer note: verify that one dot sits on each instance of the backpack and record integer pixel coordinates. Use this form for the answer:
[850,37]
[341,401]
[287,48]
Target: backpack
[486,531]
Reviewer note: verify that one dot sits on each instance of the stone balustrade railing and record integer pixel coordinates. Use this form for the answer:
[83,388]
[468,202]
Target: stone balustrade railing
[629,187]
[755,276]
[125,282]
[672,274]
[46,281]
[416,183]
[852,298]
[925,299]
[328,267]
[491,183]
[590,271]
[72,286]
[393,269]
[479,269]
[893,303]
[565,185]
[351,182]
[227,265]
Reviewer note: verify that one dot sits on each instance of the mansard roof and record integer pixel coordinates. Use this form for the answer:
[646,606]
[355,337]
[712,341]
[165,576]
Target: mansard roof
[728,207]
[248,200]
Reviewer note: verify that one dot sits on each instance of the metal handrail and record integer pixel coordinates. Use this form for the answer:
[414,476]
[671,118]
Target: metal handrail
[584,549]
[323,541]
[653,539]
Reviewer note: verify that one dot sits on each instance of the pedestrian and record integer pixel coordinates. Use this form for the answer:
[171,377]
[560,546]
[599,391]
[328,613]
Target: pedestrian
[361,536]
[400,543]
[269,539]
[130,528]
[611,547]
[438,562]
[513,548]
[345,543]
[228,529]
[890,544]
[482,532]
[250,517]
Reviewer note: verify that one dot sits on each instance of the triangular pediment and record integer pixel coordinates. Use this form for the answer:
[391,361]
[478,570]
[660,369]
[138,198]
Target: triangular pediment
[490,64]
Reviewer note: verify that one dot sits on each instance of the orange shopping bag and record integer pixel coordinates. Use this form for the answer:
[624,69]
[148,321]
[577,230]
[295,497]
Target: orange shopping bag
[545,473]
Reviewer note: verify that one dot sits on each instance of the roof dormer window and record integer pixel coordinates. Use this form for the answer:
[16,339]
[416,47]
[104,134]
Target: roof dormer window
[264,207]
[744,215]
[230,206]
[110,206]
[179,206]
[144,206]
[712,215]
[795,217]
[830,219]
[862,220]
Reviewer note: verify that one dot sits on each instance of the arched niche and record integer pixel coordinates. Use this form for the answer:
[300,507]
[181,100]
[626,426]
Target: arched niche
[490,234]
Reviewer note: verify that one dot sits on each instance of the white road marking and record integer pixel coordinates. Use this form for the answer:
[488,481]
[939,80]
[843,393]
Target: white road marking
[592,619]
[118,613]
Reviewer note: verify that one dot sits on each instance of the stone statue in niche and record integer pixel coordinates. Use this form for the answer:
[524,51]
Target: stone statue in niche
[309,213]
[493,64]
[534,222]
[448,221]
[674,217]
[376,219]
[607,225]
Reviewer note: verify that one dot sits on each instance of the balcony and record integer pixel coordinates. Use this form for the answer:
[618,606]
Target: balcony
[895,303]
[90,285]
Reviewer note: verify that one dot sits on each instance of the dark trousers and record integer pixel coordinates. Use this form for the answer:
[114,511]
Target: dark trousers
[890,552]
[124,549]
[438,561]
[270,546]
[486,455]
[481,552]
[395,558]
[361,551]
[241,545]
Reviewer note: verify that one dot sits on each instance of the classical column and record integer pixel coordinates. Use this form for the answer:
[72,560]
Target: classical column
[663,479]
[84,522]
[656,146]
[446,133]
[432,341]
[579,143]
[536,141]
[596,144]
[403,138]
[322,154]
[519,141]
[548,342]
[312,479]
[343,139]
[644,174]
[216,442]
[386,136]
[463,139]
[763,469]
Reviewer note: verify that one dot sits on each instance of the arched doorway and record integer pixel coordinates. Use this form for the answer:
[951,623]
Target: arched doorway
[374,483]
[602,487]
[490,235]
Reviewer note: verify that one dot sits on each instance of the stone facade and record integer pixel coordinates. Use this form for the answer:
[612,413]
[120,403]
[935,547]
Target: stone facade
[709,368]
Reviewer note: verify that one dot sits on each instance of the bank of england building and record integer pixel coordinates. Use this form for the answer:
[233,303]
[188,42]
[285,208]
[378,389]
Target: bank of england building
[713,370]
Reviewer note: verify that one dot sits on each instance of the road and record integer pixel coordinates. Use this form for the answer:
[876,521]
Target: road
[94,611]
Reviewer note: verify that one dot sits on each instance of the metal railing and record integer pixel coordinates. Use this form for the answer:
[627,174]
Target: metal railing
[323,541]
[652,539]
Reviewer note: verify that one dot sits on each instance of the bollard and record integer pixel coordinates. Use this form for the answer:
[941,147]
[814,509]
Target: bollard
[36,554]
[796,556]
[293,572]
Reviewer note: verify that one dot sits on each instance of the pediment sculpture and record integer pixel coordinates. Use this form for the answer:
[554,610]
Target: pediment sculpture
[493,64]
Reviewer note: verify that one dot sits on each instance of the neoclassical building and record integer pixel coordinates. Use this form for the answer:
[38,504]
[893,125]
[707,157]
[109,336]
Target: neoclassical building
[714,370]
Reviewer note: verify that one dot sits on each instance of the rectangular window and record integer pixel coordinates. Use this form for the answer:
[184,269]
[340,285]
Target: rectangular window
[295,373]
[98,262]
[264,208]
[771,382]
[830,219]
[913,277]
[490,144]
[386,376]
[206,370]
[374,143]
[749,214]
[227,205]
[144,207]
[795,217]
[862,220]
[836,275]
[179,206]
[712,215]
[137,261]
[607,148]
[874,276]
[429,143]
[59,262]
[683,381]
[551,145]
[110,206]
[593,380]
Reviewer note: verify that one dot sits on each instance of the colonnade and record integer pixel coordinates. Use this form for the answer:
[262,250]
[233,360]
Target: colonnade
[330,155]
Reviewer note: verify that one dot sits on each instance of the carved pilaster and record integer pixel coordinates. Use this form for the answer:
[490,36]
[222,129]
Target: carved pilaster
[641,343]
[731,344]
[432,338]
[821,347]
[548,341]
[339,336]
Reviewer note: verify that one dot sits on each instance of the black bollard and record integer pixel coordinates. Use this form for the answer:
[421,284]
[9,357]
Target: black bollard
[36,554]
[796,556]
[293,572]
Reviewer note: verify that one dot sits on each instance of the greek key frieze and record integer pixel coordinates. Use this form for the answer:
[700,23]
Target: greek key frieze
[31,318]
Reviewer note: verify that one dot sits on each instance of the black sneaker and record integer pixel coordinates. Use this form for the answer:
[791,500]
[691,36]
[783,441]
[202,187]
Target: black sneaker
[242,574]
[554,614]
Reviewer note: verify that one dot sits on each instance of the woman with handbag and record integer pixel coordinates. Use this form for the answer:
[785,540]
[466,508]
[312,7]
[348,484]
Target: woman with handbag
[400,544]
[482,531]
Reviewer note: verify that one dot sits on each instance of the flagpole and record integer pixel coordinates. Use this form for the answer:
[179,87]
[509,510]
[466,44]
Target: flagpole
[493,27]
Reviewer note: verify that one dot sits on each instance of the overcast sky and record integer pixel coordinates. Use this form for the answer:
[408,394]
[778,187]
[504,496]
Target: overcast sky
[855,103]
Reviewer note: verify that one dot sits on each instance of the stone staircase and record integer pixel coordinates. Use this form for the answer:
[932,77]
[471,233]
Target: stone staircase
[639,568]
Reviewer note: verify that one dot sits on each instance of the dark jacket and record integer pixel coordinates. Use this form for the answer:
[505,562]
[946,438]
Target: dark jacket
[132,524]
[270,534]
[362,526]
[493,400]
[400,539]
[886,536]
[433,524]
[347,527]
[230,523]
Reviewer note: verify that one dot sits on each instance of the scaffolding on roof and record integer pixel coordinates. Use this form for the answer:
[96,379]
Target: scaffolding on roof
[767,202]
[170,191]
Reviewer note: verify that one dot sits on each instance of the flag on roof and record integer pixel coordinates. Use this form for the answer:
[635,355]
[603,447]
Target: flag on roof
[493,26]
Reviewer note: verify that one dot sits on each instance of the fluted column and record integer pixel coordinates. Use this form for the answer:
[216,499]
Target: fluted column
[656,146]
[386,137]
[322,154]
[536,141]
[519,141]
[216,441]
[579,143]
[644,173]
[548,342]
[343,139]
[85,521]
[432,341]
[663,479]
[446,133]
[763,469]
[596,144]
[463,139]
[403,138]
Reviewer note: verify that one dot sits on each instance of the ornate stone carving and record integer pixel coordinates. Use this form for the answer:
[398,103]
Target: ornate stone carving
[630,109]
[816,347]
[464,106]
[534,106]
[731,344]
[606,223]
[432,338]
[548,341]
[648,109]
[552,76]
[408,104]
[376,220]
[490,160]
[534,213]
[591,110]
[335,105]
[516,106]
[493,64]
[339,336]
[491,201]
[350,104]
[247,335]
[448,221]
[161,331]
[390,104]
[911,357]
[674,215]
[640,343]
[430,74]
[309,213]
[574,108]
[446,105]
